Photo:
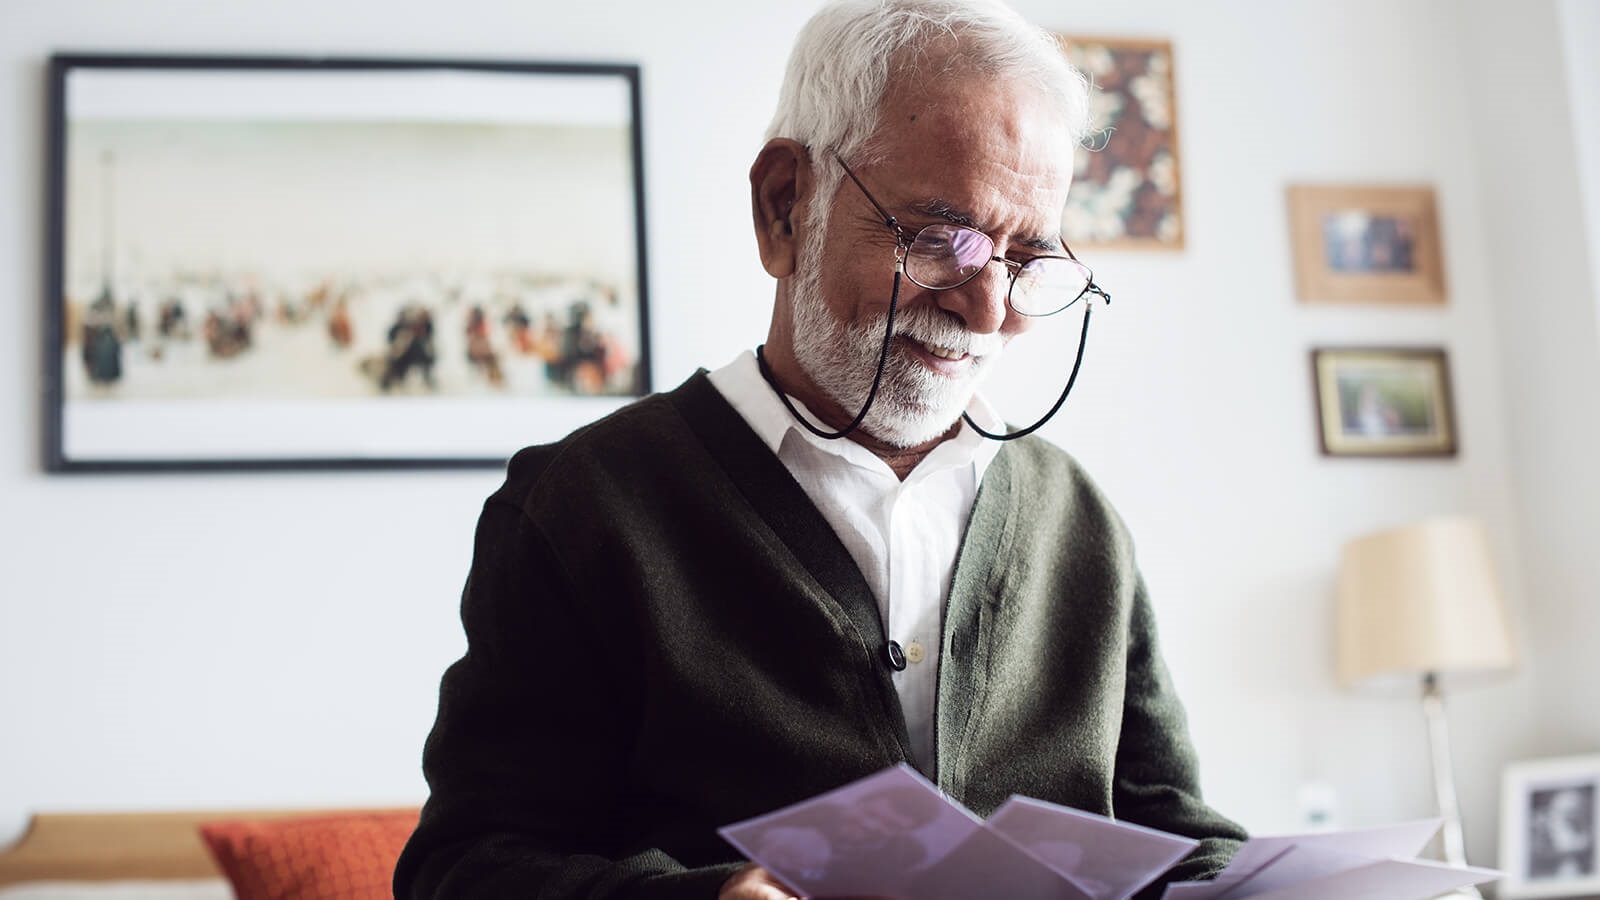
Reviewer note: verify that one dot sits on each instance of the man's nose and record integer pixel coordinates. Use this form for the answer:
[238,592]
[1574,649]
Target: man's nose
[981,302]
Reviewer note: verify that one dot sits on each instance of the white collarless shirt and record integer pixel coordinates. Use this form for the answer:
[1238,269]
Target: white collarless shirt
[903,535]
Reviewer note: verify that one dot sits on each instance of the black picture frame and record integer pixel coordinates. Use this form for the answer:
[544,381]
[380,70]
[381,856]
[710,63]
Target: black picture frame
[275,262]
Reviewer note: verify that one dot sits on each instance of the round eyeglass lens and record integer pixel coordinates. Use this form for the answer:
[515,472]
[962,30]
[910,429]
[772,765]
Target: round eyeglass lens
[1048,284]
[946,256]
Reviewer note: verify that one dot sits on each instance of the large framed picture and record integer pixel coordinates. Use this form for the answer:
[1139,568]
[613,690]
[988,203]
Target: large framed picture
[269,262]
[1383,402]
[1366,244]
[1126,190]
[1549,825]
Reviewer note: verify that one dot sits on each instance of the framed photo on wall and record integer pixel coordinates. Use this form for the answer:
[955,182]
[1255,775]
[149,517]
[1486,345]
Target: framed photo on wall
[1126,189]
[1366,244]
[276,262]
[1550,828]
[1383,402]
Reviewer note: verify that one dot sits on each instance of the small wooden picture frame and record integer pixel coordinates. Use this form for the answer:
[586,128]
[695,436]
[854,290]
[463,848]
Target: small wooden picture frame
[1366,244]
[1376,401]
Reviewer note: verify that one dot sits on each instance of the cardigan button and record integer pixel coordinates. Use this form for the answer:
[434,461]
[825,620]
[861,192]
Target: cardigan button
[894,656]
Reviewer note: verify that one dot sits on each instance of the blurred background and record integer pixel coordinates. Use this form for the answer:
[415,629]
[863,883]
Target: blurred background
[251,640]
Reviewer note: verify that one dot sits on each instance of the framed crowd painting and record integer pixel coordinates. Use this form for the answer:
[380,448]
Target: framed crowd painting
[1550,828]
[1366,244]
[274,262]
[1126,190]
[1383,402]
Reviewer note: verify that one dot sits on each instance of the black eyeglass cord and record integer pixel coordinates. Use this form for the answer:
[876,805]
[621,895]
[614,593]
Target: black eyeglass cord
[877,379]
[883,360]
[1083,341]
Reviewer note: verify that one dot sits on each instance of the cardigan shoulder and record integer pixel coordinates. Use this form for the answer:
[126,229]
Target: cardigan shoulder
[1042,483]
[630,443]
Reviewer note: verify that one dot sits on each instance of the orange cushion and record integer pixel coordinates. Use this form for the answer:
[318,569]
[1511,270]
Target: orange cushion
[324,857]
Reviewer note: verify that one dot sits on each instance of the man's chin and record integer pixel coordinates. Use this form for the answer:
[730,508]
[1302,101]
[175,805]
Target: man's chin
[907,431]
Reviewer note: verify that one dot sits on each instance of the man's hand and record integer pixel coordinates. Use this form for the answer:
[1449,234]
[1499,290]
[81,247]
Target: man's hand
[754,883]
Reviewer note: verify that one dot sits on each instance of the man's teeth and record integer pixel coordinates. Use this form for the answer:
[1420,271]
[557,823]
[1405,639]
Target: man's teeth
[944,352]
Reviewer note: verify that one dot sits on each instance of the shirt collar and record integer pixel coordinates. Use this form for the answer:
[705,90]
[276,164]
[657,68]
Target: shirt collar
[741,384]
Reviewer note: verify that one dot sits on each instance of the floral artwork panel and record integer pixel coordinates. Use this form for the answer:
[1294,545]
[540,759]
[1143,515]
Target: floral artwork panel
[1126,190]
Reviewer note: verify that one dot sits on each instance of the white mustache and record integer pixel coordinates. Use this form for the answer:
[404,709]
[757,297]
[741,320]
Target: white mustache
[935,328]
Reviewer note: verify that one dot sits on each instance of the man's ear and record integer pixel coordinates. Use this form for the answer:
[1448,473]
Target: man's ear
[780,191]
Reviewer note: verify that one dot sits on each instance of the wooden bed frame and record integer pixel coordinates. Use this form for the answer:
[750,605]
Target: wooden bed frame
[116,846]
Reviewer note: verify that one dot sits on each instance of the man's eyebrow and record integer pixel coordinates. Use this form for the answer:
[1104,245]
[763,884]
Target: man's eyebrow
[940,209]
[1042,244]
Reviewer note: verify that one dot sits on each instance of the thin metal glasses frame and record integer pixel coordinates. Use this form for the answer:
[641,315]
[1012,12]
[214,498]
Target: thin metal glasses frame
[905,239]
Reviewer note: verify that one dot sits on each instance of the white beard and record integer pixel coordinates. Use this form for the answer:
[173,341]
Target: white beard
[914,405]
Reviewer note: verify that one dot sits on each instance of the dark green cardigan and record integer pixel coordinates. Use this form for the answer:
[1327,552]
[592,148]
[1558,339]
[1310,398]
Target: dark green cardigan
[664,636]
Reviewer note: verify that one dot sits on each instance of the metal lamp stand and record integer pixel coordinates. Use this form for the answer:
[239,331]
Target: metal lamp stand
[1444,781]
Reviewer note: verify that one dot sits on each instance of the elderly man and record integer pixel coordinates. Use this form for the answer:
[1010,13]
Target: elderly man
[811,564]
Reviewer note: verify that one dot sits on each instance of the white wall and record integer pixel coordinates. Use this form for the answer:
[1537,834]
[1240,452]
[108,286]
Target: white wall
[1579,23]
[1546,288]
[216,641]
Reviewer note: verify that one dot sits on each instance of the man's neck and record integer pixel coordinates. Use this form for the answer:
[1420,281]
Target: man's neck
[901,460]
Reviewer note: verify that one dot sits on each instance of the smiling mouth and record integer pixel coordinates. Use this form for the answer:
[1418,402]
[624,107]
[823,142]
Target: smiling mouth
[946,360]
[945,352]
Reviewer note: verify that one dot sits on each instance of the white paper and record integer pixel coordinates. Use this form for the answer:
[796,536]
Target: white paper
[1371,863]
[1106,859]
[1387,879]
[894,834]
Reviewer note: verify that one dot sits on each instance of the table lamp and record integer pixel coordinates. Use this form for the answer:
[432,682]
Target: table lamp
[1422,600]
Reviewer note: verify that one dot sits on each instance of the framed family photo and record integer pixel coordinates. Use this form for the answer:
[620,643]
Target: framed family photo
[1549,825]
[1126,190]
[277,262]
[1383,402]
[1366,244]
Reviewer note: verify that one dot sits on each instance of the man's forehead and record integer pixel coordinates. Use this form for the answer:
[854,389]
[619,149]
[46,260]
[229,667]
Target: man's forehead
[985,154]
[961,91]
[977,121]
[1023,199]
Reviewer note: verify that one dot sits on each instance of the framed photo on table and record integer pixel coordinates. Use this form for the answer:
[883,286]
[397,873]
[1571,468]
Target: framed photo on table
[1550,828]
[1376,401]
[1126,189]
[278,262]
[1366,244]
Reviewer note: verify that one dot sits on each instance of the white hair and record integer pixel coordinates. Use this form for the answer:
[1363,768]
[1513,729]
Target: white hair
[849,52]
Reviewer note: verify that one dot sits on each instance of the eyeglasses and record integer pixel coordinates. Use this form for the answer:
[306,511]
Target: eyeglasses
[945,256]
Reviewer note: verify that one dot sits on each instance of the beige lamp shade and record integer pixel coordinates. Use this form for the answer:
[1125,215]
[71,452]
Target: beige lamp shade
[1422,598]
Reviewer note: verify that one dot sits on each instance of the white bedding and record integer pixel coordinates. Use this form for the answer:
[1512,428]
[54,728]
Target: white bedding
[197,889]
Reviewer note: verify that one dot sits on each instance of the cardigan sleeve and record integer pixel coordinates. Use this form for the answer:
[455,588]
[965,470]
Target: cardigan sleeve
[531,734]
[1157,775]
